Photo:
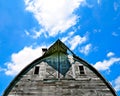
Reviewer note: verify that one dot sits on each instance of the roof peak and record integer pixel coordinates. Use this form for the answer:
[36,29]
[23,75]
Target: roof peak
[58,46]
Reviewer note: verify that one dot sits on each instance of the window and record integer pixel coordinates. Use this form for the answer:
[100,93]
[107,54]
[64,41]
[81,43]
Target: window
[81,68]
[36,70]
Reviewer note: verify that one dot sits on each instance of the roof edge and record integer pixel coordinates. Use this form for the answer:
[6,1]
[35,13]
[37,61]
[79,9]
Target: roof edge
[98,74]
[38,60]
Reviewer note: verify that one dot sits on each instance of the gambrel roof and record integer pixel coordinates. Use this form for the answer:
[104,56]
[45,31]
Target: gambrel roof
[60,58]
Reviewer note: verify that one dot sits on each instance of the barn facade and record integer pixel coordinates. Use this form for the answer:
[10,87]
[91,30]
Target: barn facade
[59,72]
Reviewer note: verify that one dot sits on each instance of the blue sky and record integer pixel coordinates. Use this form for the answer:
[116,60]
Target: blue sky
[90,28]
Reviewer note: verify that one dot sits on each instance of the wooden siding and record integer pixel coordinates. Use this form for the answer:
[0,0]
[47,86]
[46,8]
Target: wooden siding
[46,83]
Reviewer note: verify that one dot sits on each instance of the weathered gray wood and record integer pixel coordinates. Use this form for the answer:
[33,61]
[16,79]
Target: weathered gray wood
[59,74]
[73,84]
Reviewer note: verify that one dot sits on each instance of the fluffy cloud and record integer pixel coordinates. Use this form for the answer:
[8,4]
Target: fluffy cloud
[54,16]
[21,59]
[106,64]
[36,34]
[74,40]
[70,34]
[116,83]
[86,49]
[110,54]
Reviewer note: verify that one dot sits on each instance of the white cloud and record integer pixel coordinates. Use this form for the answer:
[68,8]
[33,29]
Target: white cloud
[55,16]
[86,49]
[116,83]
[110,54]
[21,59]
[35,34]
[106,64]
[70,34]
[76,40]
[27,33]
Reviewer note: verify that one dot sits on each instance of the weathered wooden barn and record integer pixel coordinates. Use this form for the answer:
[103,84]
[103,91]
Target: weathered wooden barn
[59,72]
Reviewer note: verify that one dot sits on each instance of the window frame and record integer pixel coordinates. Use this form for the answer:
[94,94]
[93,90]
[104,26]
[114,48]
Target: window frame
[81,70]
[36,70]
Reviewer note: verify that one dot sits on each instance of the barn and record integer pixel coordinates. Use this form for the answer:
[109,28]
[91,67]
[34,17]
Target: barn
[59,72]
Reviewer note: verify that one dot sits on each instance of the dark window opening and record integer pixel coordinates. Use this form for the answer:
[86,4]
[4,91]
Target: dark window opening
[36,70]
[81,68]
